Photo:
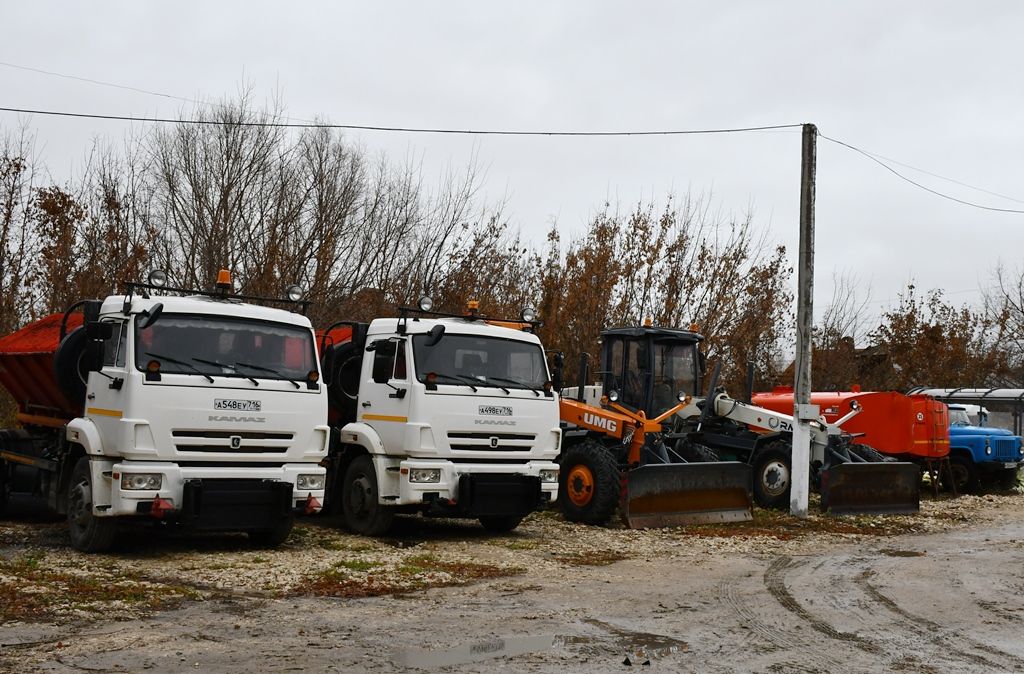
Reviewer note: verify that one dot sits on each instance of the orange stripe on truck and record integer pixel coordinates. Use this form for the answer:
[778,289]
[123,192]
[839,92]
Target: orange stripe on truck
[100,412]
[384,417]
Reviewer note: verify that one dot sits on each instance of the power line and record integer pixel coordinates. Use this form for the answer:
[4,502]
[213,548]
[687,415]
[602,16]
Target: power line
[126,87]
[100,82]
[917,184]
[400,129]
[942,177]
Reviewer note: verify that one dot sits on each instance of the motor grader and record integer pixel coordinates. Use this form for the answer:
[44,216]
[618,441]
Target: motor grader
[645,441]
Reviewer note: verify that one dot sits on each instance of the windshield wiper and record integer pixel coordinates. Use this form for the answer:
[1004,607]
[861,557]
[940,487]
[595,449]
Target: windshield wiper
[486,380]
[468,381]
[180,362]
[516,382]
[223,365]
[271,371]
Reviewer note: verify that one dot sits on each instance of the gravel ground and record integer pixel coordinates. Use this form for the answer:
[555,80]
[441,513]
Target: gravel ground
[59,608]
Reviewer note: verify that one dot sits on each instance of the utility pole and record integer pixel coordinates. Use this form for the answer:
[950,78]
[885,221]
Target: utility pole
[803,411]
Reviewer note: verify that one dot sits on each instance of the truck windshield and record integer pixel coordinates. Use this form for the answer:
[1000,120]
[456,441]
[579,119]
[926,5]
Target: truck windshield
[226,347]
[484,361]
[958,417]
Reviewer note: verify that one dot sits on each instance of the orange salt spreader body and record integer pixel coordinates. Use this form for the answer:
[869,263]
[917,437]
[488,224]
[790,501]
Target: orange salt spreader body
[911,427]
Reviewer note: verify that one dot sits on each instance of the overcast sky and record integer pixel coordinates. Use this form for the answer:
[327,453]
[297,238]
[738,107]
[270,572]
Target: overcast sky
[937,85]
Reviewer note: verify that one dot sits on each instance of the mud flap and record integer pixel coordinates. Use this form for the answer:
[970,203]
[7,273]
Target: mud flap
[876,488]
[674,494]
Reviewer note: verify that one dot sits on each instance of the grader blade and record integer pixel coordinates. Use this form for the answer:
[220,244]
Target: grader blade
[674,494]
[877,488]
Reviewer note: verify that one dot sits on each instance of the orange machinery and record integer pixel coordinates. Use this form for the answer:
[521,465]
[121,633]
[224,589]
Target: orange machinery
[911,427]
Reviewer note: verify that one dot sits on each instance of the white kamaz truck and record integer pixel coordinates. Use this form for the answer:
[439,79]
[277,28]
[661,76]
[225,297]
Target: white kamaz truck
[202,409]
[448,415]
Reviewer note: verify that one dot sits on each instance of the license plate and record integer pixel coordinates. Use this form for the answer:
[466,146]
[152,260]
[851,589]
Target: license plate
[237,405]
[1010,465]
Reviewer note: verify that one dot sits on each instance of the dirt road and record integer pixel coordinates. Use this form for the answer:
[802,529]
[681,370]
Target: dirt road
[948,598]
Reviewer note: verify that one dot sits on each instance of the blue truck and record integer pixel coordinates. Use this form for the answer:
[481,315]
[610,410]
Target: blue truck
[982,454]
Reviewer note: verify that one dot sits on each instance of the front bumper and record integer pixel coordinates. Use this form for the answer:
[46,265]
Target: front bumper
[178,480]
[478,489]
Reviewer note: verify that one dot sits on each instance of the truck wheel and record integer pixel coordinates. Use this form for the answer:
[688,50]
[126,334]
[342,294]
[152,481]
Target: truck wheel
[88,532]
[500,524]
[589,485]
[362,512]
[274,536]
[772,476]
[965,475]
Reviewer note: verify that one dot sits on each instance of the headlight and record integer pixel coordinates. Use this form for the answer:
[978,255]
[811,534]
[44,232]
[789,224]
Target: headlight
[308,482]
[425,303]
[988,450]
[158,278]
[549,476]
[528,314]
[613,395]
[295,292]
[425,475]
[148,481]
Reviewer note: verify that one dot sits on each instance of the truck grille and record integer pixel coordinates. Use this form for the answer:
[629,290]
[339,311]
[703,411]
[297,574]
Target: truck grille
[221,441]
[1005,449]
[474,441]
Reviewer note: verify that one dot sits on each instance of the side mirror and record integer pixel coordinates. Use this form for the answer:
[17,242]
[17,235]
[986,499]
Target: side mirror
[435,335]
[150,316]
[93,356]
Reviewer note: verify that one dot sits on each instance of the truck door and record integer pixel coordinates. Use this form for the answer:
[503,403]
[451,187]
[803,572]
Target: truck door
[104,399]
[383,399]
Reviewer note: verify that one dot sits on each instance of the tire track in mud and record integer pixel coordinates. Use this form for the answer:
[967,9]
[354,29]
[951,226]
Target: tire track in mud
[811,659]
[935,633]
[775,581]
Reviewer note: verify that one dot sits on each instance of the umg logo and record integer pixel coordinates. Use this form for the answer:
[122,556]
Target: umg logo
[610,425]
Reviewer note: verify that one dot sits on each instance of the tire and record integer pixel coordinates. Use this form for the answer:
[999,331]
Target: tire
[343,380]
[362,512]
[500,524]
[588,483]
[88,532]
[965,475]
[694,452]
[773,475]
[69,367]
[274,536]
[869,453]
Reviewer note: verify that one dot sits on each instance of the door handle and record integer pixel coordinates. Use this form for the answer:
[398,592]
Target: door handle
[366,404]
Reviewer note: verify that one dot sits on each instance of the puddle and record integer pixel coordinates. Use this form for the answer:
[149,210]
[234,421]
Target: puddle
[903,553]
[473,651]
[642,644]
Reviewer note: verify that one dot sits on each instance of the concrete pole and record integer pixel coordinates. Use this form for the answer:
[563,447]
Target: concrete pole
[803,411]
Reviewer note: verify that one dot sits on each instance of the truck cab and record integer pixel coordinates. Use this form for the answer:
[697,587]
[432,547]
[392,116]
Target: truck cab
[204,410]
[446,415]
[977,453]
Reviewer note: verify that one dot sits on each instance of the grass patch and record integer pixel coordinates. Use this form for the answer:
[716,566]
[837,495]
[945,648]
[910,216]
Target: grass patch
[30,591]
[593,558]
[418,572]
[783,526]
[356,564]
[515,543]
